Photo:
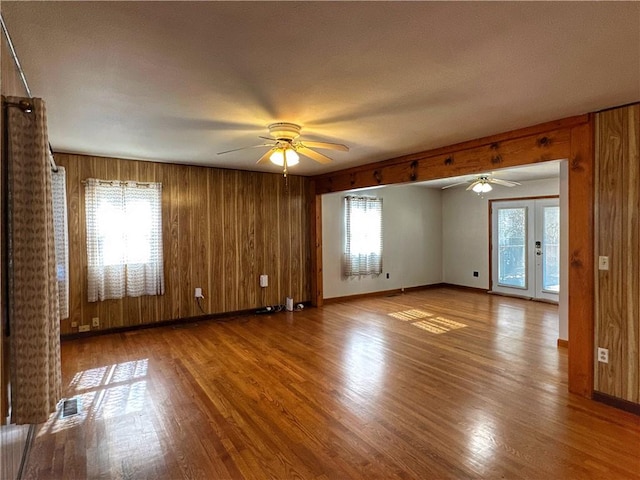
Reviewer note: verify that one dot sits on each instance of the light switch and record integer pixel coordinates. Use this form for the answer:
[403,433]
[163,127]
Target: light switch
[603,263]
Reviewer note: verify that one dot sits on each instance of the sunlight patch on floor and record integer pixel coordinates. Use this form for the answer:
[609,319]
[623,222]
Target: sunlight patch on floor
[429,327]
[408,315]
[104,392]
[431,323]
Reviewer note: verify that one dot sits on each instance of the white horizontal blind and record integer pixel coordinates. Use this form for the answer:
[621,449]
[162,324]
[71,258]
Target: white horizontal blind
[61,237]
[124,239]
[363,236]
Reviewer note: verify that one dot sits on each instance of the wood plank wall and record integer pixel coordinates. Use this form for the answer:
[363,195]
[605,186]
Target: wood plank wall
[221,230]
[618,237]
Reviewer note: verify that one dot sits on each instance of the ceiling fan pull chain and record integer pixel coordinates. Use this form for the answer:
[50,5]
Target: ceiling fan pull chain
[286,179]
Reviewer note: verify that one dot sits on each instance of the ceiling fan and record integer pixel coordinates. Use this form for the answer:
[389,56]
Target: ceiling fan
[482,184]
[285,146]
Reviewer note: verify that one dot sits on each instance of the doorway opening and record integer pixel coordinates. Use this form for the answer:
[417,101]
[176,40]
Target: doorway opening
[525,248]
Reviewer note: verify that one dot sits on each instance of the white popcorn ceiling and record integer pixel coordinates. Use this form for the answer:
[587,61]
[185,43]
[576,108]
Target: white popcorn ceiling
[180,81]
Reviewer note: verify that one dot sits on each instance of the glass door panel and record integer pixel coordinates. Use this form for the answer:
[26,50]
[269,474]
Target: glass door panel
[512,247]
[548,254]
[551,249]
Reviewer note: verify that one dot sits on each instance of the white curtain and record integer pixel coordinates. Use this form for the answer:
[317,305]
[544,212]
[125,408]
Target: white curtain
[124,239]
[363,236]
[61,237]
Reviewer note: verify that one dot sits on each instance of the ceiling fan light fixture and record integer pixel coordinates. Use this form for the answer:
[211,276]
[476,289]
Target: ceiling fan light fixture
[278,156]
[482,187]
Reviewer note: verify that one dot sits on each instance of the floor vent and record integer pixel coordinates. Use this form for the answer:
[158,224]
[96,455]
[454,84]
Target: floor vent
[69,407]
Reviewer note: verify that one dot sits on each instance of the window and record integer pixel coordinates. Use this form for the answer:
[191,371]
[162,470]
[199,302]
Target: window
[363,242]
[124,239]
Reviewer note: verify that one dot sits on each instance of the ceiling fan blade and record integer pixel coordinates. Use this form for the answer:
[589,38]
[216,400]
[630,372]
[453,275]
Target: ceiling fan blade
[318,157]
[455,185]
[267,138]
[265,158]
[328,146]
[470,187]
[245,148]
[504,183]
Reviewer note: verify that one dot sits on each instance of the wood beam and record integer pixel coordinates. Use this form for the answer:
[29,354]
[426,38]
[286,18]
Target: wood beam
[581,260]
[540,143]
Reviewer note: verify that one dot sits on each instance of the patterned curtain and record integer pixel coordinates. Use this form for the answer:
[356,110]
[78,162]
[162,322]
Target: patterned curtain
[124,239]
[33,291]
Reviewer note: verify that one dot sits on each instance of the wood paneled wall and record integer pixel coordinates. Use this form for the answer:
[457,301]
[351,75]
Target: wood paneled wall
[618,237]
[221,230]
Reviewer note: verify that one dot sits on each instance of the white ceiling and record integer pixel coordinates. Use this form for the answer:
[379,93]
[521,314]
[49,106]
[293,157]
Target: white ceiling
[180,81]
[538,171]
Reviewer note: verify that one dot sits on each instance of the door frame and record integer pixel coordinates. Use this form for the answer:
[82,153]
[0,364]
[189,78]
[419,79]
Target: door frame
[571,139]
[490,207]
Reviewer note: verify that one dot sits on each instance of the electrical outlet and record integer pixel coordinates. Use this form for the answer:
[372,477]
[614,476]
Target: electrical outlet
[603,355]
[264,281]
[84,328]
[199,293]
[603,263]
[74,324]
[95,322]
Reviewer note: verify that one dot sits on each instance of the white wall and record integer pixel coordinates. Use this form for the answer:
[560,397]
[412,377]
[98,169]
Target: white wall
[563,308]
[412,241]
[465,229]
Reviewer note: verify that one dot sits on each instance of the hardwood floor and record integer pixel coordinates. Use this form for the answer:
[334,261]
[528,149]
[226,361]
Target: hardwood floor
[344,391]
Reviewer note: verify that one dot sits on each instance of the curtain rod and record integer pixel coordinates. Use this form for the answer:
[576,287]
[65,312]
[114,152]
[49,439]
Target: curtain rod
[52,161]
[123,182]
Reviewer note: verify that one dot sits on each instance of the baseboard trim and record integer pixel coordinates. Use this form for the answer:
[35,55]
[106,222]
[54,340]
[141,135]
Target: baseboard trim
[465,287]
[563,343]
[220,317]
[381,293]
[399,291]
[618,403]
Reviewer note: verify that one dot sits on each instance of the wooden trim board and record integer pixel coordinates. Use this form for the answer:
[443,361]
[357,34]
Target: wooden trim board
[617,402]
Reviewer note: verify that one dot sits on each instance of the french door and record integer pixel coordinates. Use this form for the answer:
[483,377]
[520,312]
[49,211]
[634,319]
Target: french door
[525,248]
